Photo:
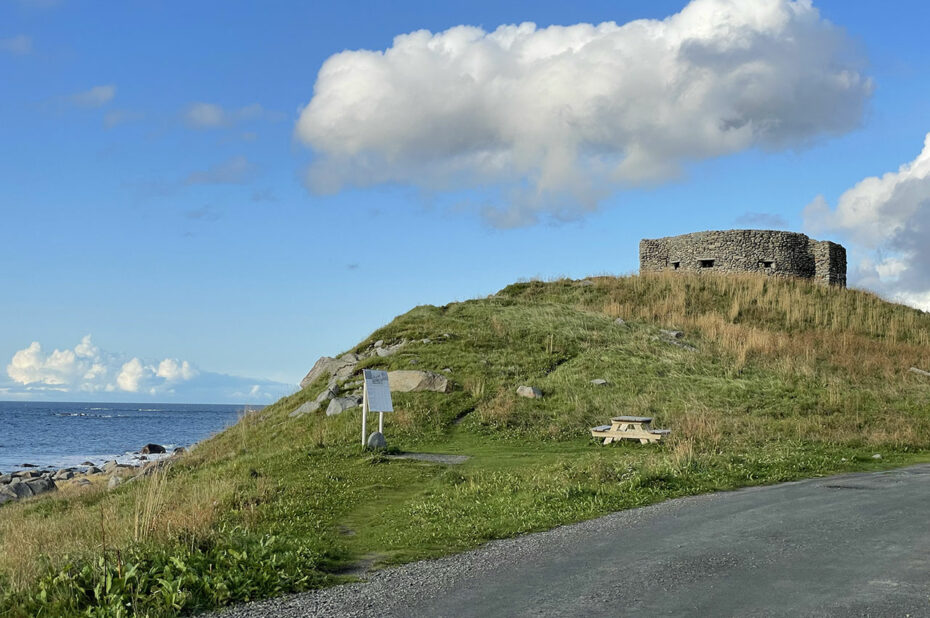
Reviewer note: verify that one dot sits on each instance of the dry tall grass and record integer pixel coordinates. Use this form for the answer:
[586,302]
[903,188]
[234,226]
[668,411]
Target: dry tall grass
[788,323]
[83,522]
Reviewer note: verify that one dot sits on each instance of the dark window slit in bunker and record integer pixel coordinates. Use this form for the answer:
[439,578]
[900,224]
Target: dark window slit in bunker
[707,263]
[675,265]
[767,264]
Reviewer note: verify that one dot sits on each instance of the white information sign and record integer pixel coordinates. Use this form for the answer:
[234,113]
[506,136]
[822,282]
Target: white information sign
[379,391]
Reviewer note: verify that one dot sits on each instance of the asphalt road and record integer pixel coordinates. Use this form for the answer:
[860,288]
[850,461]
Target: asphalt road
[851,545]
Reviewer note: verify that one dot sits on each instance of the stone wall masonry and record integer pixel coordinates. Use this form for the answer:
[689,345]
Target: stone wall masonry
[776,253]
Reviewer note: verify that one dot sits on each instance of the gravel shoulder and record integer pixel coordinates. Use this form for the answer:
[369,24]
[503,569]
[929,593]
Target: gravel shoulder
[849,545]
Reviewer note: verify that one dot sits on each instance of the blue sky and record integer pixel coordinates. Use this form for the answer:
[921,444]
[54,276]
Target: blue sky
[166,189]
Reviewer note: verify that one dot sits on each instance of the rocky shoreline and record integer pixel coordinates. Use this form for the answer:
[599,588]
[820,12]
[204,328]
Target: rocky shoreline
[31,480]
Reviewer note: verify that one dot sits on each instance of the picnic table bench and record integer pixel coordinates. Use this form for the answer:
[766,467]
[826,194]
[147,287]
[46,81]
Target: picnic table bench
[629,428]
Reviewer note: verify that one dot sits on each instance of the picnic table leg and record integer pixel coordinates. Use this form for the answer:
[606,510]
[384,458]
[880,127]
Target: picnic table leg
[608,440]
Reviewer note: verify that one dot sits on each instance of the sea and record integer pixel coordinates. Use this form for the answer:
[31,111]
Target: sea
[60,435]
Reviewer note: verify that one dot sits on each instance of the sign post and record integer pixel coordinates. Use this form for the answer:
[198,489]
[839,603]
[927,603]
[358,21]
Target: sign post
[376,397]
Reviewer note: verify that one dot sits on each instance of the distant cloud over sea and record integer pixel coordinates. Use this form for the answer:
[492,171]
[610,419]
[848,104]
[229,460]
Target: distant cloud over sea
[88,373]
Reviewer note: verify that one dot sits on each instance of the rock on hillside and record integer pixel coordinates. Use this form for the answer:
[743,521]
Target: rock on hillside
[341,368]
[412,381]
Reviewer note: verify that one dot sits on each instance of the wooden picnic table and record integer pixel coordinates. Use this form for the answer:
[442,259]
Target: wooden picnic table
[629,428]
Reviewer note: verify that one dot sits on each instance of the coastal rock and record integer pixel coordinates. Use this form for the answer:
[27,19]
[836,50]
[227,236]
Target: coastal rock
[110,465]
[114,482]
[20,490]
[341,404]
[150,449]
[408,381]
[27,474]
[7,495]
[154,466]
[341,368]
[376,441]
[28,465]
[88,463]
[530,392]
[63,475]
[41,486]
[93,470]
[82,482]
[179,451]
[5,478]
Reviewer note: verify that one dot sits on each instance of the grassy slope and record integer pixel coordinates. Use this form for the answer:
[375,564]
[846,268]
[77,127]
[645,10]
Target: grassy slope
[787,380]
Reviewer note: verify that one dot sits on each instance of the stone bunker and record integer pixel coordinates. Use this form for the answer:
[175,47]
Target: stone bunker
[784,254]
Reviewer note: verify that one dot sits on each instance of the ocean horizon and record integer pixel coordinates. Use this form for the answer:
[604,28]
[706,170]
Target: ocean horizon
[66,434]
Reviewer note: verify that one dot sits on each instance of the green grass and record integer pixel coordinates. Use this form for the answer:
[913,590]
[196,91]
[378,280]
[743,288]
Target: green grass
[787,380]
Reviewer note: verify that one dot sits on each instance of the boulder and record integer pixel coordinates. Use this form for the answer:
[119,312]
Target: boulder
[599,382]
[27,474]
[7,495]
[673,334]
[384,351]
[620,322]
[530,392]
[82,482]
[379,343]
[180,450]
[88,463]
[5,478]
[150,449]
[64,474]
[330,367]
[28,465]
[110,465]
[41,486]
[114,482]
[307,407]
[409,381]
[93,470]
[21,490]
[376,441]
[341,404]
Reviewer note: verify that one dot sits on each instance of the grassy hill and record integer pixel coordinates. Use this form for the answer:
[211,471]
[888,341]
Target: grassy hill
[773,380]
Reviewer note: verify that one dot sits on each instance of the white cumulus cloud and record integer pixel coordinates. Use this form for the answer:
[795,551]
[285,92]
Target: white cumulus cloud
[86,371]
[173,370]
[554,119]
[88,368]
[887,220]
[131,375]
